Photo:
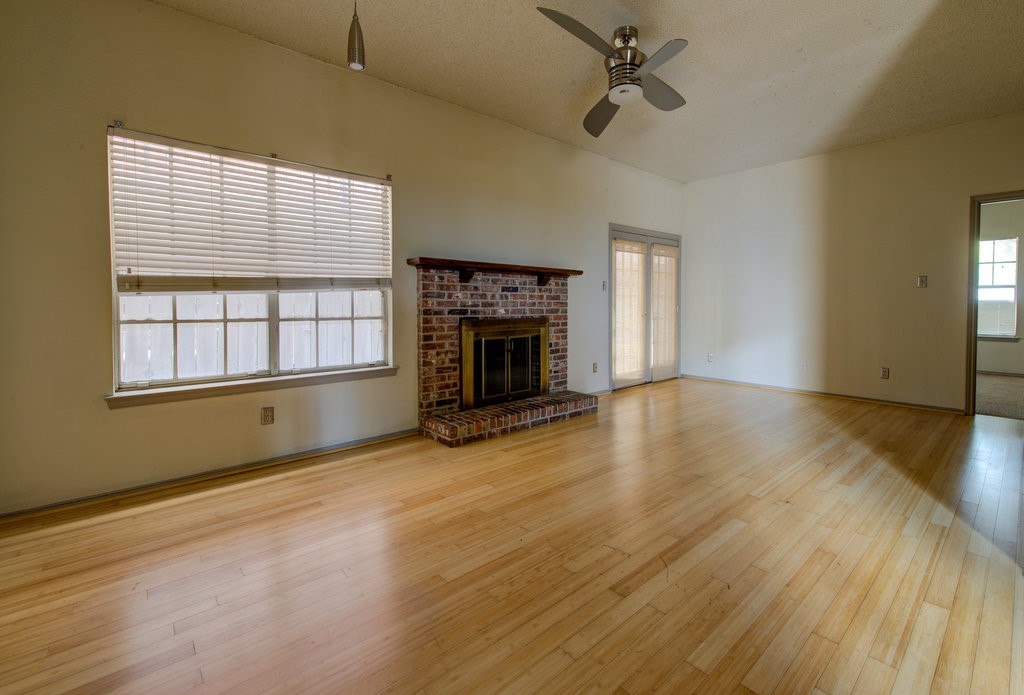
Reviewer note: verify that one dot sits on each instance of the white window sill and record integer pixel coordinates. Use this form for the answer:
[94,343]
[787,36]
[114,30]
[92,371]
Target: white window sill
[168,394]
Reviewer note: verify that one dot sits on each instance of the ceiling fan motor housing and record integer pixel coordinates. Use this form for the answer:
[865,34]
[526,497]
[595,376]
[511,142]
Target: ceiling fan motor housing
[623,87]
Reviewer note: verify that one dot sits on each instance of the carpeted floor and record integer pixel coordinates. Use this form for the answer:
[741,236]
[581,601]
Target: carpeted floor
[1000,395]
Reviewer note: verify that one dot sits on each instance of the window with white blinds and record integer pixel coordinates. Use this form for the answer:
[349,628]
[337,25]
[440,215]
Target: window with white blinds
[191,217]
[230,266]
[997,288]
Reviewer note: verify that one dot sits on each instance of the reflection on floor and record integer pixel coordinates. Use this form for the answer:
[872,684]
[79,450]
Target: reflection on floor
[1001,395]
[688,537]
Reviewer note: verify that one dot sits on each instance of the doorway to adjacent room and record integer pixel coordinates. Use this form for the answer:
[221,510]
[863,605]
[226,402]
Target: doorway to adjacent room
[996,366]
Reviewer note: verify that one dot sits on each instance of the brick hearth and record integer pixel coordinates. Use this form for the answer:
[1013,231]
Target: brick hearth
[455,429]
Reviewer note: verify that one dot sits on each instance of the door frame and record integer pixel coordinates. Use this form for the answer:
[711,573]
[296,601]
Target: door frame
[974,239]
[616,230]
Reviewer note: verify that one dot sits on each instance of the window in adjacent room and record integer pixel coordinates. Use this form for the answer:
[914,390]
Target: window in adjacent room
[233,267]
[997,288]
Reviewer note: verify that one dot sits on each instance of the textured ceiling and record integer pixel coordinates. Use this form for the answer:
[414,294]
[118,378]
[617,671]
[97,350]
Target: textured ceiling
[765,80]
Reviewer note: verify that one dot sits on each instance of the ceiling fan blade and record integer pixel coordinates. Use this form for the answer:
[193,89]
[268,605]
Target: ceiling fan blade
[600,116]
[666,53]
[660,95]
[579,31]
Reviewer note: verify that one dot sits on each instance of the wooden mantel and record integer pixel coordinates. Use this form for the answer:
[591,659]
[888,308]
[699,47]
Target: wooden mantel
[468,268]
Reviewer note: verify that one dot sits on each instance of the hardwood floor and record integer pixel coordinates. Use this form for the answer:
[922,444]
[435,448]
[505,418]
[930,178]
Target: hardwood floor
[690,537]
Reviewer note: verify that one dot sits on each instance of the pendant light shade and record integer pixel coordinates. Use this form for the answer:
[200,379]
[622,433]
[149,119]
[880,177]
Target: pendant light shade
[356,52]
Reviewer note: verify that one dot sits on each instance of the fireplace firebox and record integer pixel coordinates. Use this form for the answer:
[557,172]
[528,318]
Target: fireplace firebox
[503,360]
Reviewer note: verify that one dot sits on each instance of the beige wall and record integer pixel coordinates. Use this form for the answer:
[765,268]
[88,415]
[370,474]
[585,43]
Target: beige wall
[466,186]
[1003,221]
[802,274]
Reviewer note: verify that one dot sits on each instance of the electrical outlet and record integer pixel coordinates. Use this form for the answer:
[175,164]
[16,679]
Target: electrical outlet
[595,367]
[884,373]
[922,281]
[267,415]
[711,357]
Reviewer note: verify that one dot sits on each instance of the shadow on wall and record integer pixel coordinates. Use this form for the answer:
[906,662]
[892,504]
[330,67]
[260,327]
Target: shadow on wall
[890,218]
[900,212]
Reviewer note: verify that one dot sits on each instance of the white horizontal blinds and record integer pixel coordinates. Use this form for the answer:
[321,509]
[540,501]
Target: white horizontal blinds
[189,217]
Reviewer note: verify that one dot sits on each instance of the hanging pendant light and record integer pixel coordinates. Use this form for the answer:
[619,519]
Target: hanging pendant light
[356,52]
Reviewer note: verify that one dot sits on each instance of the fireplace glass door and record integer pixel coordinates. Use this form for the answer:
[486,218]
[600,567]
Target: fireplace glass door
[505,368]
[503,360]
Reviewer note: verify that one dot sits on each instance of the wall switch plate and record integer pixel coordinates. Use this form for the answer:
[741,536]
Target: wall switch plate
[922,281]
[711,357]
[884,373]
[267,415]
[595,367]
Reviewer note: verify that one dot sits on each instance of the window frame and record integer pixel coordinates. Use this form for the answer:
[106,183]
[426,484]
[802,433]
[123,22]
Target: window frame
[1015,287]
[126,392]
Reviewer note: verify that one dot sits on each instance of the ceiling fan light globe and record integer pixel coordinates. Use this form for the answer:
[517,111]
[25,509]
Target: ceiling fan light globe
[625,94]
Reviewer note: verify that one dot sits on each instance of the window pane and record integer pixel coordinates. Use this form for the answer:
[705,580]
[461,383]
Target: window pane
[985,253]
[335,343]
[996,294]
[297,305]
[997,317]
[200,350]
[247,306]
[664,272]
[368,341]
[146,307]
[984,274]
[297,345]
[248,347]
[629,329]
[1004,250]
[335,304]
[200,306]
[368,303]
[147,352]
[1004,273]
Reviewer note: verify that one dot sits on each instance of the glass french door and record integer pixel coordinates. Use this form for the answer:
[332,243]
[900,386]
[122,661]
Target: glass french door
[645,309]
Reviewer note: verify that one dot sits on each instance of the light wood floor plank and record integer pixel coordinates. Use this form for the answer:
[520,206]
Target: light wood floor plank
[894,632]
[956,658]
[806,666]
[1017,643]
[918,665]
[795,635]
[689,537]
[874,678]
[995,637]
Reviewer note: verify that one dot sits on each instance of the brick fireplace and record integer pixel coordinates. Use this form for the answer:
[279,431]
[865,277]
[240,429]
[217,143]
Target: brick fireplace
[450,292]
